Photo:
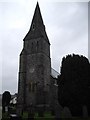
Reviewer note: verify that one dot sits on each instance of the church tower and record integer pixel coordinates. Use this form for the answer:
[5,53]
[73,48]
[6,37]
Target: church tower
[35,67]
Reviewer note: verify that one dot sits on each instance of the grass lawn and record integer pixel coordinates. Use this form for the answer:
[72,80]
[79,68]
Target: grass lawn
[47,115]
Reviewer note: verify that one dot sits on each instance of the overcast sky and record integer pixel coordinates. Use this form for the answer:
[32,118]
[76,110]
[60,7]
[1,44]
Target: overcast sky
[66,26]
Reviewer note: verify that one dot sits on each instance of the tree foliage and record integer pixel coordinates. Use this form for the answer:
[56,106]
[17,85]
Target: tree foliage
[73,83]
[6,97]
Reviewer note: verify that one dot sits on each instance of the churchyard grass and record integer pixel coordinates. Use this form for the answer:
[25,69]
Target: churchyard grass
[5,116]
[47,115]
[25,115]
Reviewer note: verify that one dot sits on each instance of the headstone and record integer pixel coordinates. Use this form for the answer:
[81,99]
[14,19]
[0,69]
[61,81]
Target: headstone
[85,111]
[66,113]
[58,110]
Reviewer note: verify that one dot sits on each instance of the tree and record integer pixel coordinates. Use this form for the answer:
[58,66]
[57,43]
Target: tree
[6,97]
[73,83]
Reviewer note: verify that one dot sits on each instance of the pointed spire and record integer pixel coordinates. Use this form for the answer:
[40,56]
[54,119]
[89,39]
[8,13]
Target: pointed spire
[37,28]
[37,18]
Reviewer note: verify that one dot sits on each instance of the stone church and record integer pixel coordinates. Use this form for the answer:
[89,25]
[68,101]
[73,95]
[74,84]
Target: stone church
[37,88]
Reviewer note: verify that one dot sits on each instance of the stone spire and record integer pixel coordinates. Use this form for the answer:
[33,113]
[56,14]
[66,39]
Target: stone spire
[37,20]
[37,28]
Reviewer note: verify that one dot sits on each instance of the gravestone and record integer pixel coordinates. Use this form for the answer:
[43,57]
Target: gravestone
[58,110]
[85,111]
[66,113]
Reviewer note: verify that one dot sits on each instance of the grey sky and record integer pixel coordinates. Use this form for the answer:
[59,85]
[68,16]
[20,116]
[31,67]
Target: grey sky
[66,26]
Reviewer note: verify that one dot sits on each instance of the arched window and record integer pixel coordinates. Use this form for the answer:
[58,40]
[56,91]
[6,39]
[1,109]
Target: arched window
[32,87]
[37,46]
[29,87]
[32,47]
[33,27]
[37,43]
